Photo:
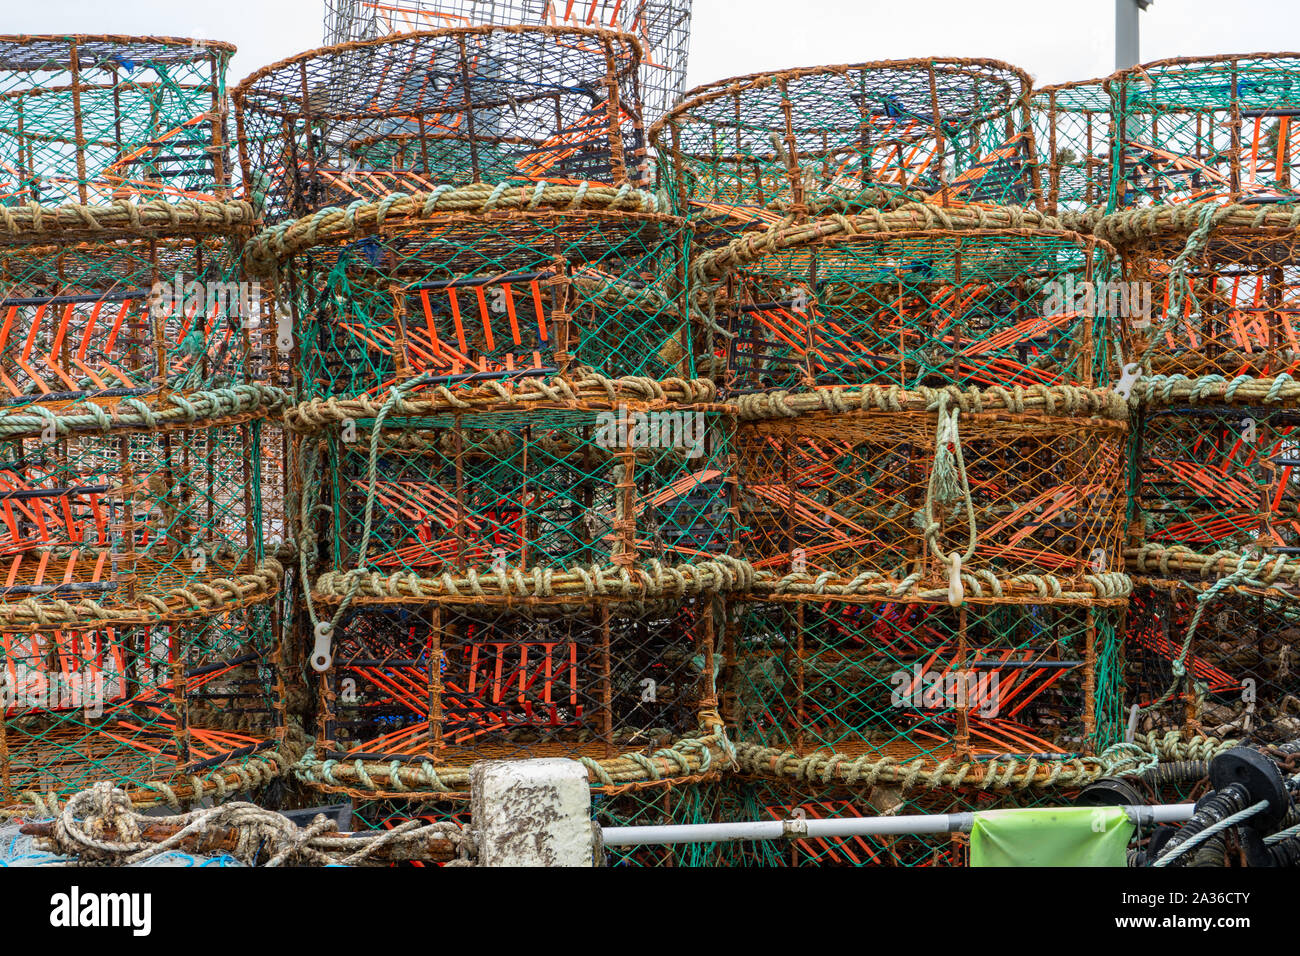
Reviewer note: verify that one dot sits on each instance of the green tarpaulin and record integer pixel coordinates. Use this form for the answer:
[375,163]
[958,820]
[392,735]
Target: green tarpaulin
[1076,836]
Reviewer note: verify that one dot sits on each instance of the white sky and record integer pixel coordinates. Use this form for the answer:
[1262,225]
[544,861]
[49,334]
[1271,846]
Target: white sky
[1053,40]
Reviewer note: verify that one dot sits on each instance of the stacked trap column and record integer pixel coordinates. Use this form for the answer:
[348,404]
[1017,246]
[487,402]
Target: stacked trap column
[137,612]
[932,475]
[515,503]
[1204,188]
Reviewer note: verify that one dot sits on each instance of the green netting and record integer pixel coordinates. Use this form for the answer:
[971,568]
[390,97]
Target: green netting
[89,119]
[1234,677]
[131,312]
[1214,128]
[662,26]
[528,487]
[1073,133]
[889,493]
[443,286]
[665,805]
[167,711]
[904,681]
[409,112]
[914,304]
[743,152]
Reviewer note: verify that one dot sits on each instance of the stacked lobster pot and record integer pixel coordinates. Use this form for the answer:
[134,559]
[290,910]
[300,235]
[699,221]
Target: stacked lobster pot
[932,472]
[139,602]
[1200,185]
[515,504]
[663,28]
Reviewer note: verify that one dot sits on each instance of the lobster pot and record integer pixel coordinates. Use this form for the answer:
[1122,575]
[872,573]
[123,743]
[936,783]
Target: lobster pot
[128,510]
[909,680]
[125,314]
[1212,478]
[435,689]
[412,111]
[762,799]
[663,28]
[741,153]
[896,299]
[560,499]
[97,119]
[877,491]
[1226,304]
[391,292]
[1219,128]
[1241,678]
[188,703]
[1074,130]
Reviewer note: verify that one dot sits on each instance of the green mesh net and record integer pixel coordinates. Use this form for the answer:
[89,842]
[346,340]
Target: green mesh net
[91,120]
[741,153]
[1073,133]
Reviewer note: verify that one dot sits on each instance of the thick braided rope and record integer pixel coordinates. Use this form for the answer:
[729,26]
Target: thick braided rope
[910,217]
[32,221]
[981,585]
[1279,574]
[267,248]
[1177,389]
[585,390]
[180,408]
[1052,400]
[688,756]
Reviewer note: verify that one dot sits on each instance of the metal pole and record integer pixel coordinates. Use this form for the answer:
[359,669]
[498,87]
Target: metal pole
[1126,32]
[800,828]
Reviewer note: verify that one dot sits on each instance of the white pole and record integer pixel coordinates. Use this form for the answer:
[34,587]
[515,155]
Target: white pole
[800,828]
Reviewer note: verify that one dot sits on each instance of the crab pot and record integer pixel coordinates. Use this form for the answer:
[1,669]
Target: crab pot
[435,689]
[561,497]
[412,111]
[663,28]
[907,303]
[910,680]
[130,509]
[741,153]
[186,703]
[1241,661]
[387,292]
[1074,133]
[96,119]
[1213,478]
[856,499]
[759,799]
[139,309]
[1220,128]
[1238,312]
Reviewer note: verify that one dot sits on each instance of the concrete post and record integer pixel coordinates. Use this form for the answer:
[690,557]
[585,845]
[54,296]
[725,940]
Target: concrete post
[532,813]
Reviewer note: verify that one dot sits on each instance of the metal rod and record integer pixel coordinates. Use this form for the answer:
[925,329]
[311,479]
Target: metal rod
[800,828]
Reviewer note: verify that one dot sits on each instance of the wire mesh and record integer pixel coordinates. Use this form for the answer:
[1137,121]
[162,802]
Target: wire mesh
[1217,128]
[818,303]
[586,278]
[875,492]
[606,491]
[628,692]
[662,26]
[173,709]
[95,119]
[1073,132]
[1219,287]
[743,152]
[1241,678]
[411,112]
[906,681]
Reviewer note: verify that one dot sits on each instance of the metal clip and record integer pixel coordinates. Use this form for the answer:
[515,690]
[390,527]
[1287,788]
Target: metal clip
[322,656]
[1128,378]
